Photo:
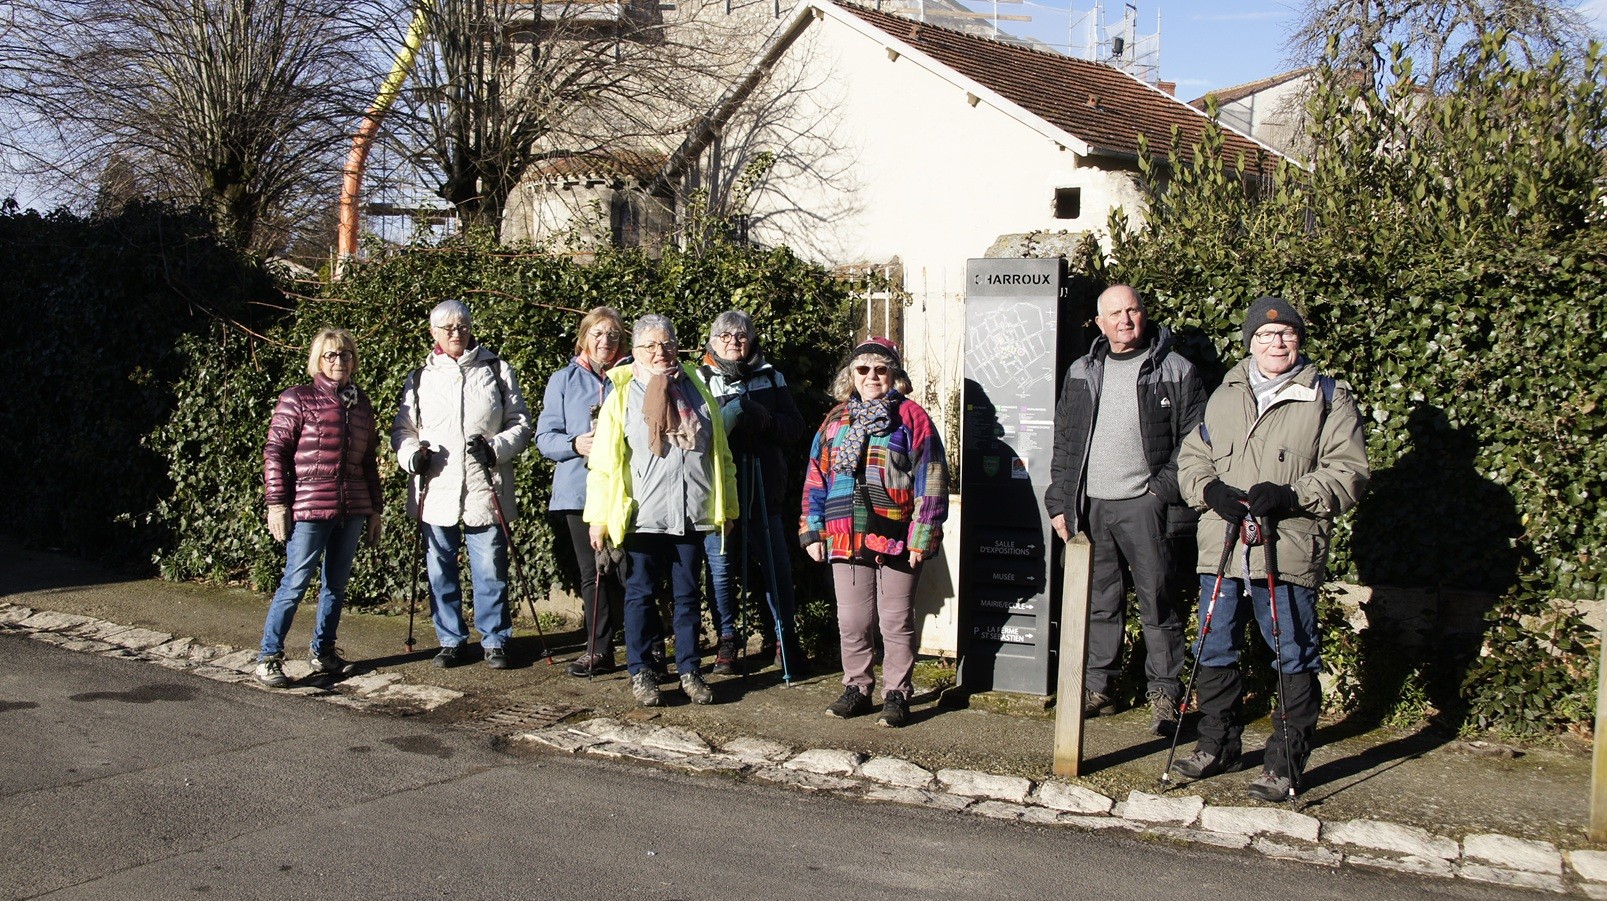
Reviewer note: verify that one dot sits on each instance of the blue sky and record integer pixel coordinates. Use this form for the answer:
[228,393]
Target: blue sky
[1205,44]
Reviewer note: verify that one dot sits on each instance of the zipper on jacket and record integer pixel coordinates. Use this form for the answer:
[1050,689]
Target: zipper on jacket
[340,473]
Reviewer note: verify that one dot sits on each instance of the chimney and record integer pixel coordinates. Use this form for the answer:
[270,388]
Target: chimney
[1167,87]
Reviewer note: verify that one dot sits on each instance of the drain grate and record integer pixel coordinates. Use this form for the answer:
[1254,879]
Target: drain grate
[523,718]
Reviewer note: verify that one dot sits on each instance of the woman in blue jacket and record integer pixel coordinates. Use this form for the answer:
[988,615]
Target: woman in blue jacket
[564,435]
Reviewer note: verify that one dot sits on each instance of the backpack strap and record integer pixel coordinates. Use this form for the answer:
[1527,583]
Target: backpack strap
[418,415]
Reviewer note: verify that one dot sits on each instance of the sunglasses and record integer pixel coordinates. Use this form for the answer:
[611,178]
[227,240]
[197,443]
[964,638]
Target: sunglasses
[862,369]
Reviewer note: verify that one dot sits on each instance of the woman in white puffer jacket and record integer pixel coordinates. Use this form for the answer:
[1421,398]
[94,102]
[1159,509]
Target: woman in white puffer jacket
[461,417]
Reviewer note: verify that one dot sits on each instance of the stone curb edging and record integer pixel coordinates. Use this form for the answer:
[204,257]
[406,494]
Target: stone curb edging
[1272,831]
[221,663]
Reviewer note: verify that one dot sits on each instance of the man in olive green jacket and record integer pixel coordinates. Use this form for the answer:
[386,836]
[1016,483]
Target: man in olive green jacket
[1283,444]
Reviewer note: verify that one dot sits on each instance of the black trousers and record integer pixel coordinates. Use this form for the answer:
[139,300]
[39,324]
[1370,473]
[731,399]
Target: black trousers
[606,618]
[1129,538]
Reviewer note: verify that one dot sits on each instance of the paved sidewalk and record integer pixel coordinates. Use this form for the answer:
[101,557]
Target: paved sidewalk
[1407,801]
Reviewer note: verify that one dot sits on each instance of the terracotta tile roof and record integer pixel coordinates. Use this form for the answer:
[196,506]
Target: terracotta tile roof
[1241,91]
[1102,106]
[632,164]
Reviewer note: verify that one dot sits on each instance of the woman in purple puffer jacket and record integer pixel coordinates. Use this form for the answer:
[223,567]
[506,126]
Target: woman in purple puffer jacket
[320,473]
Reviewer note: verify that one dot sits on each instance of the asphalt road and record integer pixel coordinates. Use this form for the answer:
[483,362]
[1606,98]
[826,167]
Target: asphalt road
[121,779]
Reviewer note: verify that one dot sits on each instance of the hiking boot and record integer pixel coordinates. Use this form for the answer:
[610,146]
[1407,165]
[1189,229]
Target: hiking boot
[895,710]
[1271,787]
[271,671]
[696,688]
[1203,765]
[587,665]
[725,656]
[1162,713]
[450,656]
[330,664]
[1097,703]
[644,688]
[852,703]
[497,658]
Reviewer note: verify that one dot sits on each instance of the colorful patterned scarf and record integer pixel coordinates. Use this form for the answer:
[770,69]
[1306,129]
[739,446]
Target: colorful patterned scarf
[865,418]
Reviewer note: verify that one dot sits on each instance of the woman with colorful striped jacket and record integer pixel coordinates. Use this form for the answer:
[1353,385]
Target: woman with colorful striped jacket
[874,500]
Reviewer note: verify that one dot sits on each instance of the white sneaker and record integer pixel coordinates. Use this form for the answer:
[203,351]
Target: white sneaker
[271,671]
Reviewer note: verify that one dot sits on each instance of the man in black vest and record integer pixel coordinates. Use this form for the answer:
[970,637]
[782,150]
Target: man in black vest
[1123,412]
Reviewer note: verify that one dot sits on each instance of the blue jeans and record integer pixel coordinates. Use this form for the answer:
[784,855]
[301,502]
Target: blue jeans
[650,556]
[333,540]
[488,562]
[1296,648]
[724,567]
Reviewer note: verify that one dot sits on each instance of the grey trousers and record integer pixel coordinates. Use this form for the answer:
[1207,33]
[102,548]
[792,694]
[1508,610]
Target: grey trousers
[1129,537]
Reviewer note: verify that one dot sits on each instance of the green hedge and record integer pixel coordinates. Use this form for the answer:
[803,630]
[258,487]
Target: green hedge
[1450,256]
[100,309]
[526,306]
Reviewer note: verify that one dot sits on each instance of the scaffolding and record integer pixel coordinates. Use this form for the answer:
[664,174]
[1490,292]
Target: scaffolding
[1093,36]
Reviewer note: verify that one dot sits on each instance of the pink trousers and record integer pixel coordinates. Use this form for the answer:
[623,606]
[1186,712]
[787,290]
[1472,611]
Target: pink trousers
[868,595]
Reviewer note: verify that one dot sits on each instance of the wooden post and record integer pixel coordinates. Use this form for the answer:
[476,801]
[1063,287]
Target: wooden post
[1598,754]
[1073,655]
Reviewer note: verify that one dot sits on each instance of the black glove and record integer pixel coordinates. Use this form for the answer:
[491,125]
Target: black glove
[481,451]
[757,414]
[1270,499]
[1227,501]
[421,459]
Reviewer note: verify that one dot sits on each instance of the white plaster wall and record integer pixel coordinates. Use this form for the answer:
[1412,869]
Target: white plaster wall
[1274,116]
[932,179]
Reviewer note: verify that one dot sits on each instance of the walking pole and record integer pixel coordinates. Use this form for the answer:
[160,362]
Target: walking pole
[770,570]
[518,570]
[599,559]
[418,550]
[744,476]
[1271,535]
[1199,649]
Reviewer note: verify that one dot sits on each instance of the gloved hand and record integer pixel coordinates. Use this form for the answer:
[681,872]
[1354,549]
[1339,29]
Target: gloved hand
[757,414]
[420,463]
[375,530]
[731,414]
[1227,501]
[279,522]
[481,451]
[1270,499]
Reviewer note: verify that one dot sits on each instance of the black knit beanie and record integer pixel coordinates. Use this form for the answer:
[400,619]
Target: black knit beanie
[1272,309]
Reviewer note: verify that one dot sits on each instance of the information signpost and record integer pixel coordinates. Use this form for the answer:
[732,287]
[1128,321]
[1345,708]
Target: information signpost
[1017,345]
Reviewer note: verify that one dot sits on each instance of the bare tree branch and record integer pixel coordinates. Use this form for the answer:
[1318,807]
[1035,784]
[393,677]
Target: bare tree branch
[1441,37]
[240,106]
[507,86]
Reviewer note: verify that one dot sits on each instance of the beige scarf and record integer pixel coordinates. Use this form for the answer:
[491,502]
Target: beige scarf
[666,410]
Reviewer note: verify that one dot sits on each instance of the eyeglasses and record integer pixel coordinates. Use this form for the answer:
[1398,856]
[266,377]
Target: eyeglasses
[862,369]
[657,346]
[1286,335]
[454,329]
[732,337]
[331,356]
[605,334]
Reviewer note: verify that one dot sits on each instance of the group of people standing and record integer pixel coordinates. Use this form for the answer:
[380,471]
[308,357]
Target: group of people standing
[662,467]
[1242,487]
[665,466]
